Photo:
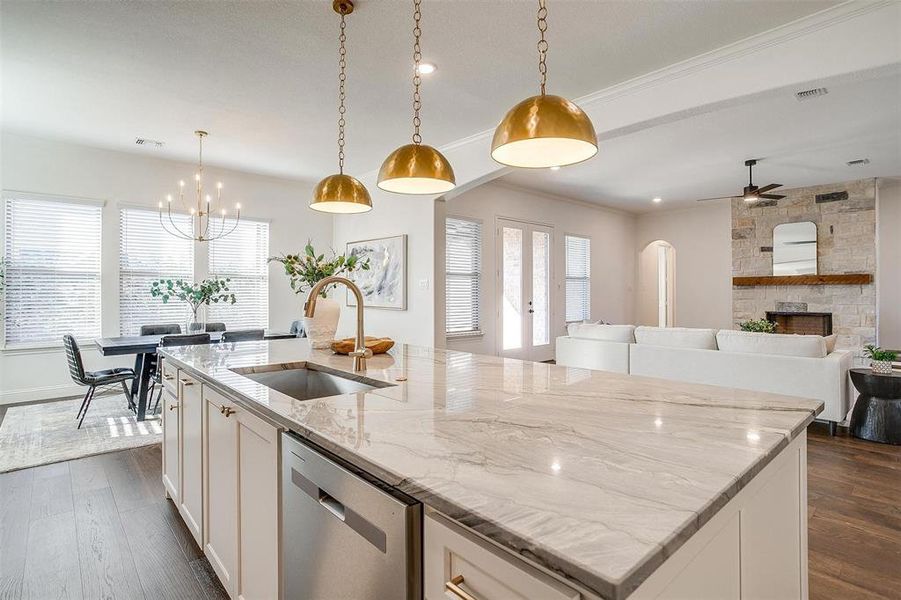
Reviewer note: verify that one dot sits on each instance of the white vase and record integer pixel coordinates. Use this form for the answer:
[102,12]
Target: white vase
[321,327]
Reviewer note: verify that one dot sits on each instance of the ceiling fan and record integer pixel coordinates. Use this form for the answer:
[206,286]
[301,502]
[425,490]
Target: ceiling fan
[752,193]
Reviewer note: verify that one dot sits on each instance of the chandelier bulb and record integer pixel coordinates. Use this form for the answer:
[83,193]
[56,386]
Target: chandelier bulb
[237,206]
[168,198]
[218,185]
[208,198]
[192,211]
[160,205]
[181,183]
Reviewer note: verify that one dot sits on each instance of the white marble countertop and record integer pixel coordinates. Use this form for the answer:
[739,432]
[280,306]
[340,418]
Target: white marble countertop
[597,476]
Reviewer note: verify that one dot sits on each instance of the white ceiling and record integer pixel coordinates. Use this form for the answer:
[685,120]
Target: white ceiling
[260,77]
[702,155]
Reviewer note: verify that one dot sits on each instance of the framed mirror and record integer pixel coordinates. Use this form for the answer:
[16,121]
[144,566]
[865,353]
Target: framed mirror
[795,249]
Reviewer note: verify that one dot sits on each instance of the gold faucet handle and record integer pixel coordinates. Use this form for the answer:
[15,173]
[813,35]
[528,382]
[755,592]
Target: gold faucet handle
[364,353]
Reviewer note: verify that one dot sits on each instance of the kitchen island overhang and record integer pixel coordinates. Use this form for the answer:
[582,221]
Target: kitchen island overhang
[596,477]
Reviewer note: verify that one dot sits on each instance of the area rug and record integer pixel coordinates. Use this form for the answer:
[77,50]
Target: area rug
[40,434]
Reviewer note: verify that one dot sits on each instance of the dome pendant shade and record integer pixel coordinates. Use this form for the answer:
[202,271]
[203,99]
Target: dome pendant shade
[416,169]
[544,131]
[341,194]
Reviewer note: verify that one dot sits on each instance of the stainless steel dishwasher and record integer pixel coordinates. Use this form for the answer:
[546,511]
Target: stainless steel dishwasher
[344,538]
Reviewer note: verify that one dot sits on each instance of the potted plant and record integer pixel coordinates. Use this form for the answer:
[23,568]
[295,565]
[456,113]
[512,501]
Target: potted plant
[305,270]
[758,326]
[195,295]
[880,360]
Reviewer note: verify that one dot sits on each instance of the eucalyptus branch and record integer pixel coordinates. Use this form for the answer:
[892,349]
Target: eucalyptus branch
[306,269]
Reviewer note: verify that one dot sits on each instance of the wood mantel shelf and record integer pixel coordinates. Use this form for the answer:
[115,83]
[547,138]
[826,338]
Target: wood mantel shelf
[842,279]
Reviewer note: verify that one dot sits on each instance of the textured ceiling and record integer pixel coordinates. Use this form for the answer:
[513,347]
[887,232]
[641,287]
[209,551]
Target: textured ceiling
[260,76]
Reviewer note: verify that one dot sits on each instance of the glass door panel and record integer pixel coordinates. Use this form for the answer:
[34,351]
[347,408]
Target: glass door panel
[541,281]
[511,274]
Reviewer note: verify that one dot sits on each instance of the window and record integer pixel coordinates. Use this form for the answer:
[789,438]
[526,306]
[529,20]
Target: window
[463,240]
[147,253]
[242,257]
[578,278]
[52,249]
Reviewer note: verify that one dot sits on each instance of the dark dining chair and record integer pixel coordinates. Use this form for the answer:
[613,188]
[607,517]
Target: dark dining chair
[242,335]
[168,341]
[215,327]
[161,329]
[93,379]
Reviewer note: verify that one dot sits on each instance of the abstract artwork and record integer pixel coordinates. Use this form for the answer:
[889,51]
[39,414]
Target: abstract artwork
[384,285]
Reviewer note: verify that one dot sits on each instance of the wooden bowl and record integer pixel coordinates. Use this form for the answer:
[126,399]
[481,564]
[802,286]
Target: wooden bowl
[378,345]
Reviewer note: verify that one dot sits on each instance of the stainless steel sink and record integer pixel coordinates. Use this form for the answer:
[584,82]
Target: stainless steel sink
[306,381]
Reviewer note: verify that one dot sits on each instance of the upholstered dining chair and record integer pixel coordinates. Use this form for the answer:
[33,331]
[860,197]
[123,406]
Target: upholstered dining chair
[215,327]
[188,339]
[93,379]
[242,335]
[161,329]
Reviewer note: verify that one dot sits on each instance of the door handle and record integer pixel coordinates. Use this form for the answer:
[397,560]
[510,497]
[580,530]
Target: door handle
[331,504]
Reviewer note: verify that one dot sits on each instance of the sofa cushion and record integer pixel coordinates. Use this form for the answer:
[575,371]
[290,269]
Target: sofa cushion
[748,342]
[677,337]
[830,342]
[608,333]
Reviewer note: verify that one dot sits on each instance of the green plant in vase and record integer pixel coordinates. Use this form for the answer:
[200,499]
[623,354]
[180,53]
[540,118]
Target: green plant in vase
[306,269]
[758,326]
[880,360]
[195,295]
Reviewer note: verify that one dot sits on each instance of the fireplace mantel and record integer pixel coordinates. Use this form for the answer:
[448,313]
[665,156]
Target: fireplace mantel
[842,279]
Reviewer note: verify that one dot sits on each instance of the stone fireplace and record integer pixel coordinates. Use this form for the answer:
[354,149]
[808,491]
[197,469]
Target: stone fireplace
[845,216]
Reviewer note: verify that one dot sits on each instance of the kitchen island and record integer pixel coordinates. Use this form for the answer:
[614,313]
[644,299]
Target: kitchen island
[600,484]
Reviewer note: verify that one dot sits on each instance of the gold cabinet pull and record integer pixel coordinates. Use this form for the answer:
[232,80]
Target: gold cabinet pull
[168,377]
[228,411]
[186,381]
[453,586]
[173,406]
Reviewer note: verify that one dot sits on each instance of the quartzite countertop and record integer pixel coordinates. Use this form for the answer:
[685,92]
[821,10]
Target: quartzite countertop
[597,476]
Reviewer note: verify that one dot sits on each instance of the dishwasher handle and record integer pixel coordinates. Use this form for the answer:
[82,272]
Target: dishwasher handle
[331,504]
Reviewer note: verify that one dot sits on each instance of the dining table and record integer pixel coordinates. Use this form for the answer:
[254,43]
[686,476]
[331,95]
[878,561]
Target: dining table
[144,348]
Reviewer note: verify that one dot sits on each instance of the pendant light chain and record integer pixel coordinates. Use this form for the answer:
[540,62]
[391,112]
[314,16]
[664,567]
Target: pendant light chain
[417,77]
[342,78]
[542,44]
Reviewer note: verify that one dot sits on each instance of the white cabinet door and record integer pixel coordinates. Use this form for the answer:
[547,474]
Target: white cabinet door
[221,488]
[258,456]
[191,500]
[171,454]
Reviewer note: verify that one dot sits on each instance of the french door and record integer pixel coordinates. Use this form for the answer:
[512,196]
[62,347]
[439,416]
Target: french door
[524,290]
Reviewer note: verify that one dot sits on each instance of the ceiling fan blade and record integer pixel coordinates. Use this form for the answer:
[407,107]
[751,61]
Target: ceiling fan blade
[716,198]
[767,188]
[771,196]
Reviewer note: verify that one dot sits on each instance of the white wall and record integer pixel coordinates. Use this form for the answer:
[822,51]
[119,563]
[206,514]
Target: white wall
[888,263]
[392,215]
[132,179]
[612,236]
[702,240]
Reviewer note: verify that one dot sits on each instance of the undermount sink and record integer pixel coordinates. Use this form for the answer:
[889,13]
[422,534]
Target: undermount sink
[306,381]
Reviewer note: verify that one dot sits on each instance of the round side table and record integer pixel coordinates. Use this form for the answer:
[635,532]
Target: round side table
[877,412]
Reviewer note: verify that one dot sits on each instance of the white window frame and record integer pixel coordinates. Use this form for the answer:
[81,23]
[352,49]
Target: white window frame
[477,278]
[13,195]
[567,277]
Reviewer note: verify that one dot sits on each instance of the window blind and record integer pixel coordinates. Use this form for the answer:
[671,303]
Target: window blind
[242,257]
[578,278]
[463,239]
[148,253]
[52,250]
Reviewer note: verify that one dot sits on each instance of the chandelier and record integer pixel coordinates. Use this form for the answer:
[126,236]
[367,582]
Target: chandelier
[205,226]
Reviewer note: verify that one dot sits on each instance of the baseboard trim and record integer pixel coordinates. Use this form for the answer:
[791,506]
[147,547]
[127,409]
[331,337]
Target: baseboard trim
[39,394]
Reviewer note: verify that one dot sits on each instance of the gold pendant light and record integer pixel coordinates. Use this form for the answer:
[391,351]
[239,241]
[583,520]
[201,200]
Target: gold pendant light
[341,193]
[416,168]
[544,130]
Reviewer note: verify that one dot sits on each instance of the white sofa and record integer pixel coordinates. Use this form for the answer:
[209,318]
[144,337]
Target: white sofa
[794,365]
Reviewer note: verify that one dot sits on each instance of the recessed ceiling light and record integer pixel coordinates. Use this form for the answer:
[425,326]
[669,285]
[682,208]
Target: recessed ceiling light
[657,200]
[426,68]
[555,168]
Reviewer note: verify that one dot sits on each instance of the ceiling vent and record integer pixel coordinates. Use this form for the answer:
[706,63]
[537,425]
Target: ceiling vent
[148,142]
[858,163]
[811,93]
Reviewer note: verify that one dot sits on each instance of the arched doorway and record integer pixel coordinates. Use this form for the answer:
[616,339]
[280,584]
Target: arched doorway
[656,284]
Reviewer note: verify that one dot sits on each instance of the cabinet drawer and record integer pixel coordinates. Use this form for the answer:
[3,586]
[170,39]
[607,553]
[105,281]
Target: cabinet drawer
[169,375]
[458,566]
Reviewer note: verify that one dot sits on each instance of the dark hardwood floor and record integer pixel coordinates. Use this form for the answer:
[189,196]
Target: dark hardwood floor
[854,498]
[98,528]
